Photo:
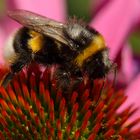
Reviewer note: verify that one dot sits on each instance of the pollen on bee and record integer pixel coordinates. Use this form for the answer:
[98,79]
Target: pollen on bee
[36,41]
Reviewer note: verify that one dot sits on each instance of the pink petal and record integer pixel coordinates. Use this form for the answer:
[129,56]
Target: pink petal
[2,38]
[133,93]
[51,8]
[127,63]
[97,5]
[115,20]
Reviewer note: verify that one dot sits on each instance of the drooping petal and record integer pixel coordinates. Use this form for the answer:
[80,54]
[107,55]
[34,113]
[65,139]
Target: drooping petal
[2,38]
[127,68]
[97,5]
[133,93]
[115,20]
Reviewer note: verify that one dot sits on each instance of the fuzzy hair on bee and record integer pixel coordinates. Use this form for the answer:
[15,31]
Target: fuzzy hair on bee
[77,49]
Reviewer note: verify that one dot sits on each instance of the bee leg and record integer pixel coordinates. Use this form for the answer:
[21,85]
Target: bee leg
[7,78]
[75,83]
[63,79]
[24,59]
[15,68]
[100,92]
[65,82]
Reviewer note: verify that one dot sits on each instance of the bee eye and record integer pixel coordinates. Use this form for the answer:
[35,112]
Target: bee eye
[77,46]
[73,45]
[83,41]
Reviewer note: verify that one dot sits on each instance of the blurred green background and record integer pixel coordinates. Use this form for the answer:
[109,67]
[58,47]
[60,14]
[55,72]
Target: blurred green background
[79,8]
[2,6]
[82,10]
[134,40]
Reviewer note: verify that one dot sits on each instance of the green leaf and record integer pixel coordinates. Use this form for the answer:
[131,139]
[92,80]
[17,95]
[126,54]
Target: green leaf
[135,42]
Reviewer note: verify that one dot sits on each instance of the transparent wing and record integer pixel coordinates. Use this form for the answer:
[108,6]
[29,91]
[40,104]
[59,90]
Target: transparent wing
[41,24]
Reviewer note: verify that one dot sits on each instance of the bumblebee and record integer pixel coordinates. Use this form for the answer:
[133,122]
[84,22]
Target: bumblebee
[77,49]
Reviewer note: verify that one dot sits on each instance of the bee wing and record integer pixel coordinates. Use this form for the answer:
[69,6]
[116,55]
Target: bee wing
[41,24]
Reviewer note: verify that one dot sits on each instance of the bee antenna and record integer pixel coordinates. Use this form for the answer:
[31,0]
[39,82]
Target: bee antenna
[74,20]
[7,78]
[102,87]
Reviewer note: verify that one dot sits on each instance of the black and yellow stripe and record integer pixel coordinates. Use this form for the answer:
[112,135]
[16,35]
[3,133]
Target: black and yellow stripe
[95,46]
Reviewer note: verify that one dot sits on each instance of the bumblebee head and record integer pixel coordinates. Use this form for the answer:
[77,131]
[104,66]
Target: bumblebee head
[99,65]
[93,55]
[86,41]
[78,35]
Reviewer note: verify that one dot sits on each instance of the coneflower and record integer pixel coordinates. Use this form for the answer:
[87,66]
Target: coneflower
[32,108]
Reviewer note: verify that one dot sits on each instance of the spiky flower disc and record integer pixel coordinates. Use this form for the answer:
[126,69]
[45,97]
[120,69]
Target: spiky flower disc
[32,108]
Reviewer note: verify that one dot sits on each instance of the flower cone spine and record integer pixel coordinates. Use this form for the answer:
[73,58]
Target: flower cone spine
[32,108]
